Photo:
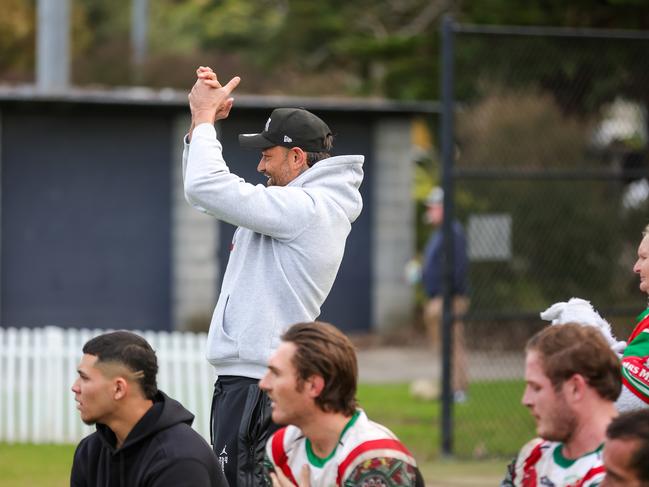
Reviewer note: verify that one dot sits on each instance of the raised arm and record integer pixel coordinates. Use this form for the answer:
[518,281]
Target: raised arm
[279,212]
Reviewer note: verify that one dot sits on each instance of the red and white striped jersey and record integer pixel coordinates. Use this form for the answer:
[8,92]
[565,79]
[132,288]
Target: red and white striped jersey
[367,452]
[541,463]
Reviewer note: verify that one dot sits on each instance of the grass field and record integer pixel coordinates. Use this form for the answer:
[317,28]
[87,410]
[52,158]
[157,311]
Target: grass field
[491,424]
[490,428]
[49,466]
[35,465]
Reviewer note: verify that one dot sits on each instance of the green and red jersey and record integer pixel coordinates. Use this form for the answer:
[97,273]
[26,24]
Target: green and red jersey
[635,373]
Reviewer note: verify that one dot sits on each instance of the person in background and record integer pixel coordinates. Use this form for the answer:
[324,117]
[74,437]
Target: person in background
[572,381]
[143,436]
[311,381]
[432,281]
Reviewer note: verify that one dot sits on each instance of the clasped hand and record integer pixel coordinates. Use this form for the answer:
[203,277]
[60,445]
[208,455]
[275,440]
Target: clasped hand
[209,100]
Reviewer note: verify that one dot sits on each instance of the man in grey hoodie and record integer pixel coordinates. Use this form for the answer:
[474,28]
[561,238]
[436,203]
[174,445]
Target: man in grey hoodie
[284,257]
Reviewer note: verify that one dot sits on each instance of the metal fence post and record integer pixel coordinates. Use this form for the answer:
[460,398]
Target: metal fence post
[53,45]
[447,232]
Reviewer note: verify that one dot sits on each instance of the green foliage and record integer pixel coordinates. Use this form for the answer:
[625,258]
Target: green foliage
[363,47]
[558,248]
[16,39]
[580,74]
[198,25]
[620,14]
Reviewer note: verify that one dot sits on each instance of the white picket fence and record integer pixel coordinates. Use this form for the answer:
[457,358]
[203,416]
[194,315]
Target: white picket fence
[38,367]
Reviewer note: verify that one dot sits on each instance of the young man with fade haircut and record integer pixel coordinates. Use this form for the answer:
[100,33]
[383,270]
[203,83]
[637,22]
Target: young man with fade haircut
[572,381]
[284,255]
[626,451]
[311,381]
[143,437]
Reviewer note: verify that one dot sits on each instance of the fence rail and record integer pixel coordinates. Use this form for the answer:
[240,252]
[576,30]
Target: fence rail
[38,367]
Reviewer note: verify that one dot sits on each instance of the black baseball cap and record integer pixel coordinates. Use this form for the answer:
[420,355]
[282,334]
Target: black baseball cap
[290,127]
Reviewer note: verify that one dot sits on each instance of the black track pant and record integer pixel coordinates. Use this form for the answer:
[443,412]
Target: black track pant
[241,425]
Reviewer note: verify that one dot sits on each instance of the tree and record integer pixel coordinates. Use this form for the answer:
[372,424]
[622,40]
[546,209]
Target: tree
[380,48]
[17,40]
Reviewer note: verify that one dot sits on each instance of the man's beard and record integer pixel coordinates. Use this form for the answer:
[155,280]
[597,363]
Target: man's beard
[563,422]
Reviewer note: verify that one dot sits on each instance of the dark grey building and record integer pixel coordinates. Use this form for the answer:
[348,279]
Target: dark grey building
[96,232]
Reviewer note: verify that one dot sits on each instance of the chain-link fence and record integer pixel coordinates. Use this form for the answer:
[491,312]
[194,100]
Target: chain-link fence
[549,178]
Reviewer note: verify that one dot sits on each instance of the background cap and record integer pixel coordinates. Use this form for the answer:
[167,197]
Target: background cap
[290,127]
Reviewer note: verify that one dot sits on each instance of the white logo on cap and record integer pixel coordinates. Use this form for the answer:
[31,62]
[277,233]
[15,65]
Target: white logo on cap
[287,139]
[267,124]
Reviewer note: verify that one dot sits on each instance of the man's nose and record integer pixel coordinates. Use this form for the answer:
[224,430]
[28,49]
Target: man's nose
[525,400]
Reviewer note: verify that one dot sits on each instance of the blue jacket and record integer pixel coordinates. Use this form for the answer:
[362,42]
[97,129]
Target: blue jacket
[432,270]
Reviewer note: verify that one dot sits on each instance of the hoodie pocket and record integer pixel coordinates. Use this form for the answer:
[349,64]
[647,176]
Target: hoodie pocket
[221,345]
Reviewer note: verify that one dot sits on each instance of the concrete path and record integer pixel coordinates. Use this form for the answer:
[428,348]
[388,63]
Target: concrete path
[405,364]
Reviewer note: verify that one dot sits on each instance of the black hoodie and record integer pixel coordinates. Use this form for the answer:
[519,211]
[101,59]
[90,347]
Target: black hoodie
[162,450]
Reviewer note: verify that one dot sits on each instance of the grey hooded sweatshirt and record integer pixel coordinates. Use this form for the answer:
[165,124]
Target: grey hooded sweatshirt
[285,254]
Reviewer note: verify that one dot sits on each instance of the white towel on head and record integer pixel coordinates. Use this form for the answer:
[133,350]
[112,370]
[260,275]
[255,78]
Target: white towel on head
[578,310]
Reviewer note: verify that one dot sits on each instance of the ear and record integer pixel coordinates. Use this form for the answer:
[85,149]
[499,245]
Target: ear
[299,157]
[315,384]
[575,388]
[120,388]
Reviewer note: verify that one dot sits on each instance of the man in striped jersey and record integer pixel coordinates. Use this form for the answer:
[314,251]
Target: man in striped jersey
[311,381]
[572,381]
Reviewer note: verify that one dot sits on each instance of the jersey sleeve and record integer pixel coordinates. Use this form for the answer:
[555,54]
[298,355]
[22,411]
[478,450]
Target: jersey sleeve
[635,372]
[524,463]
[384,472]
[269,467]
[508,481]
[276,458]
